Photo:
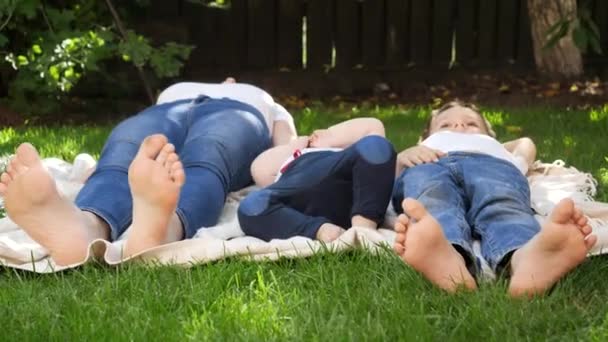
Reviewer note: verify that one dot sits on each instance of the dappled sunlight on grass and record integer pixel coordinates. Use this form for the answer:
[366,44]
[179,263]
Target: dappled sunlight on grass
[62,142]
[497,119]
[598,114]
[603,176]
[255,312]
[569,141]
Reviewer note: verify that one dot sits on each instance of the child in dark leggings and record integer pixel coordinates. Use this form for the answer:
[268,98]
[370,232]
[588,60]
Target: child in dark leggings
[318,186]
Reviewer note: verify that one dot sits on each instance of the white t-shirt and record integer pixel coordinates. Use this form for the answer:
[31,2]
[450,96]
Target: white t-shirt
[447,141]
[242,92]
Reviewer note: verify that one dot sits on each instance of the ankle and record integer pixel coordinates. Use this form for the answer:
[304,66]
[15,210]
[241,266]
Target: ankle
[360,221]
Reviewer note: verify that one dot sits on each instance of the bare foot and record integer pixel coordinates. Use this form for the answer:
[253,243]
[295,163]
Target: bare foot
[329,232]
[229,80]
[155,176]
[421,244]
[33,202]
[561,245]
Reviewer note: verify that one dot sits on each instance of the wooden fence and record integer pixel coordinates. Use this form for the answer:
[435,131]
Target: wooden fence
[362,34]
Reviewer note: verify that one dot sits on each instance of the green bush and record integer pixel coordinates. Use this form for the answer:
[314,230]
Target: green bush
[49,46]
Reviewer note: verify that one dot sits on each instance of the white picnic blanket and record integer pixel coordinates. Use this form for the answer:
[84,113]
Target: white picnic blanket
[549,184]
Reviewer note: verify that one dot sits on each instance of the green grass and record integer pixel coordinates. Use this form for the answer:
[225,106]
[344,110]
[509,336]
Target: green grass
[347,296]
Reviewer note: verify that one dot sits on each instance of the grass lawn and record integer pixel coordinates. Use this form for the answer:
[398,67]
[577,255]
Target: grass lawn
[347,296]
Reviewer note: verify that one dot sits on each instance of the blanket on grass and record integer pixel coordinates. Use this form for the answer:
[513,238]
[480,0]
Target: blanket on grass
[549,183]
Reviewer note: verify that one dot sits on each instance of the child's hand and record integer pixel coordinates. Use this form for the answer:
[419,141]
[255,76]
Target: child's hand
[417,155]
[321,138]
[301,142]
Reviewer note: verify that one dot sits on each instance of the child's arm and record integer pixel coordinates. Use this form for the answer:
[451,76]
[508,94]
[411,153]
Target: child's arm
[523,148]
[416,155]
[265,167]
[282,133]
[346,133]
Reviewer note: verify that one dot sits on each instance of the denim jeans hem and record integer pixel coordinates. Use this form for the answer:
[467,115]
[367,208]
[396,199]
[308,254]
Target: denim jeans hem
[189,232]
[313,228]
[500,257]
[470,258]
[114,226]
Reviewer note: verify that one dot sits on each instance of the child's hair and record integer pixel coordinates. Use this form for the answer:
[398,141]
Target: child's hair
[452,104]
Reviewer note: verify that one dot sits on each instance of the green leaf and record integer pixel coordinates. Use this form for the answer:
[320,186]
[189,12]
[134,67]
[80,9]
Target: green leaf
[580,38]
[22,60]
[68,73]
[589,23]
[54,72]
[3,40]
[27,8]
[36,49]
[595,45]
[559,32]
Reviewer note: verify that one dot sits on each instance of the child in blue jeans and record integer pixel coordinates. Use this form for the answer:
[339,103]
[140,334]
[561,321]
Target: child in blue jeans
[460,184]
[319,185]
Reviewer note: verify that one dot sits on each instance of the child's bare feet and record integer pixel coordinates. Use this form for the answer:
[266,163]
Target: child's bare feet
[155,176]
[329,232]
[420,242]
[561,245]
[33,202]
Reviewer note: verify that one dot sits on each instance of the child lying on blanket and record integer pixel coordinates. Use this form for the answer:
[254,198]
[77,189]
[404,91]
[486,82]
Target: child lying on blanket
[319,185]
[202,136]
[460,184]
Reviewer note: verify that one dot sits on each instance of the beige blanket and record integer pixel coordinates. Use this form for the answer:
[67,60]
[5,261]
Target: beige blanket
[549,183]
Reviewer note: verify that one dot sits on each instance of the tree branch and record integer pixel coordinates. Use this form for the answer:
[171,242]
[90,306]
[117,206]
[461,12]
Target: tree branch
[123,33]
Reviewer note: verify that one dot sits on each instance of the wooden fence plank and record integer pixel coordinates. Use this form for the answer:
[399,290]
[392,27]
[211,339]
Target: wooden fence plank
[600,16]
[261,45]
[373,35]
[525,53]
[487,31]
[347,34]
[201,23]
[443,31]
[164,9]
[397,39]
[420,32]
[289,26]
[233,27]
[319,33]
[466,35]
[507,30]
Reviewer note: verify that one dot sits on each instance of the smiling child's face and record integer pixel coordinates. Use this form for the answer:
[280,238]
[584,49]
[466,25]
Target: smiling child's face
[459,119]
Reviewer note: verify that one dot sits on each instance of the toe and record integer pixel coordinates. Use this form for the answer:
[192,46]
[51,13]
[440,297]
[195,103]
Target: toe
[590,241]
[171,160]
[563,211]
[399,248]
[6,178]
[164,153]
[414,209]
[27,154]
[178,176]
[586,229]
[151,146]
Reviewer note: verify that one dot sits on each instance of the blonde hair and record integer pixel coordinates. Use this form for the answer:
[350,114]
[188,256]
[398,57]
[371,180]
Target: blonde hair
[452,104]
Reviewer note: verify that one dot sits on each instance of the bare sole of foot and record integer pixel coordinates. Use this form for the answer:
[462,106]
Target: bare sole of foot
[420,242]
[560,246]
[155,177]
[33,202]
[329,232]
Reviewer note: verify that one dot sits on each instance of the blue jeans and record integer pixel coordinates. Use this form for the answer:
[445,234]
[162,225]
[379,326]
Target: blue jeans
[216,140]
[473,196]
[323,187]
